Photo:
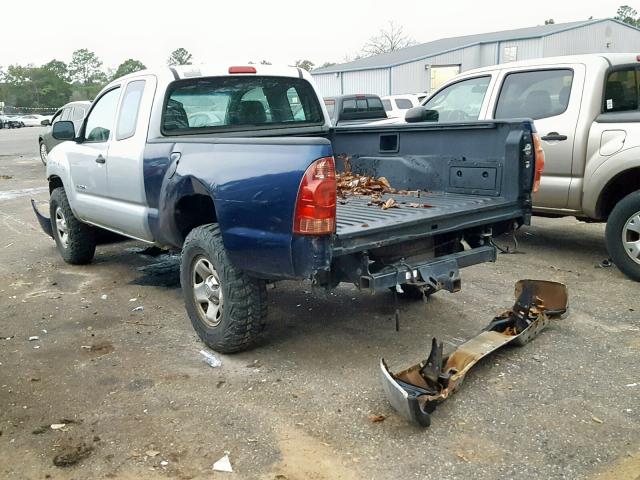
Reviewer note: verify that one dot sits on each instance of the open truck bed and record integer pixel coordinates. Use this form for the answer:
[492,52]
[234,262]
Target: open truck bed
[476,179]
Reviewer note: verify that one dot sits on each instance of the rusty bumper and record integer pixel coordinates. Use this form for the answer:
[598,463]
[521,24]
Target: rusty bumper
[415,392]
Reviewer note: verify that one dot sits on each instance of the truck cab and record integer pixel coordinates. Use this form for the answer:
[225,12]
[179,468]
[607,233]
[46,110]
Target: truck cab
[586,109]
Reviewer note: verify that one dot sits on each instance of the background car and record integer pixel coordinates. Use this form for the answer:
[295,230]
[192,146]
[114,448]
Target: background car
[31,120]
[74,112]
[397,105]
[10,121]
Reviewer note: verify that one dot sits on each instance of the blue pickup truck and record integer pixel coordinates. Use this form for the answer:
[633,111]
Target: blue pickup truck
[237,167]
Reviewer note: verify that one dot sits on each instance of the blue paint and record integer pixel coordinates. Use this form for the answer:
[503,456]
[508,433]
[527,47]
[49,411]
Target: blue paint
[254,187]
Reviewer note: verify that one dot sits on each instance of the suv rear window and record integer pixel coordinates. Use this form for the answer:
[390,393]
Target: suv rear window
[239,103]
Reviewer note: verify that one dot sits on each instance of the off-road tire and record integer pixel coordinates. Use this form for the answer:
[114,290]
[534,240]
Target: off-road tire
[245,299]
[81,243]
[626,208]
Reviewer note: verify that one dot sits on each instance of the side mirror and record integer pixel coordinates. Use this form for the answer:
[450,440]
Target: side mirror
[63,130]
[421,114]
[45,122]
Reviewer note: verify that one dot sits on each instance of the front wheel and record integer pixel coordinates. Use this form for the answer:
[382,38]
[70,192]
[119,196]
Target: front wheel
[75,240]
[227,308]
[43,153]
[623,235]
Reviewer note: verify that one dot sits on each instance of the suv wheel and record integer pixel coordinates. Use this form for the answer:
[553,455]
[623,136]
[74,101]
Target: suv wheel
[623,235]
[227,308]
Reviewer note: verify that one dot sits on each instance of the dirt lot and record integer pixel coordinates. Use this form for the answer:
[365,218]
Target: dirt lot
[138,402]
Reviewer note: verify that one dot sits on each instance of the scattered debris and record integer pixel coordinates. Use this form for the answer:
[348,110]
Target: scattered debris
[40,430]
[101,348]
[416,391]
[597,420]
[152,453]
[349,184]
[33,338]
[606,263]
[58,426]
[164,463]
[104,296]
[5,177]
[223,465]
[462,457]
[72,454]
[138,309]
[632,384]
[133,299]
[210,359]
[376,418]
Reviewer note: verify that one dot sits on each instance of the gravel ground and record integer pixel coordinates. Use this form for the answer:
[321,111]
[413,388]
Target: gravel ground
[138,402]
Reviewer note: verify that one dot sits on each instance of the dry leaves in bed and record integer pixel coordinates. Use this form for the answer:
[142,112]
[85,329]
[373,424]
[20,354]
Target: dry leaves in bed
[351,184]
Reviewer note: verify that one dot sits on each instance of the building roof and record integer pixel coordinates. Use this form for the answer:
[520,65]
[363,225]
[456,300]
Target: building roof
[438,47]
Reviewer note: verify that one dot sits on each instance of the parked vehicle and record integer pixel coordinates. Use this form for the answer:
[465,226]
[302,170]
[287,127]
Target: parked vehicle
[253,200]
[10,121]
[354,109]
[74,112]
[33,120]
[397,105]
[587,110]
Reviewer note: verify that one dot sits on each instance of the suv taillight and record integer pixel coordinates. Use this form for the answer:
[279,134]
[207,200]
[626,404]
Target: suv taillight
[316,204]
[539,159]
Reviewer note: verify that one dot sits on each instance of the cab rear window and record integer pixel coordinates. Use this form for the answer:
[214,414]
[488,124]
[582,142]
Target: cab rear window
[239,103]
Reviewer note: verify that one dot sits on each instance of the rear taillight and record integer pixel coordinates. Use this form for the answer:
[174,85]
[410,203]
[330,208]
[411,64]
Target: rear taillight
[316,204]
[539,161]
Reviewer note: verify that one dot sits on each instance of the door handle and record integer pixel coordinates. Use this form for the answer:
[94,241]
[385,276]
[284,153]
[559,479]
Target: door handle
[100,159]
[554,136]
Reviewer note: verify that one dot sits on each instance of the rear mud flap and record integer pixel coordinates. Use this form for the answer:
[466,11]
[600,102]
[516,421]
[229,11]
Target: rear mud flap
[415,392]
[45,222]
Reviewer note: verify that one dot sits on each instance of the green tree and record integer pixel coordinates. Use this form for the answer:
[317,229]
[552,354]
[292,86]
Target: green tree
[549,21]
[179,56]
[327,64]
[85,67]
[128,66]
[57,68]
[628,15]
[305,64]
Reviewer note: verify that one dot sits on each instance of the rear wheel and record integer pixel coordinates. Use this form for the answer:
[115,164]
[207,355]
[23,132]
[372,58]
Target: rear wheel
[623,235]
[75,240]
[227,308]
[43,153]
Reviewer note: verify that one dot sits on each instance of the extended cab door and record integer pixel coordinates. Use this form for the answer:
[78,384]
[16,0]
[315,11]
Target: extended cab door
[88,160]
[127,195]
[551,96]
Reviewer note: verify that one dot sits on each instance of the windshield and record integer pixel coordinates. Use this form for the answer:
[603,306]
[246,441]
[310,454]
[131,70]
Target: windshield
[461,101]
[239,102]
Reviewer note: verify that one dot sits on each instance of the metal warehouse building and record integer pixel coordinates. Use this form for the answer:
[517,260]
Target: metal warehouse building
[424,67]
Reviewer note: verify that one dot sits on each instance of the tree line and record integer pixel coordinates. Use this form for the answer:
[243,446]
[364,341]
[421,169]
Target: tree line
[29,88]
[32,88]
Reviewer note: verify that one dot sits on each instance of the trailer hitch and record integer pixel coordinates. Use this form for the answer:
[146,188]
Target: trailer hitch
[415,392]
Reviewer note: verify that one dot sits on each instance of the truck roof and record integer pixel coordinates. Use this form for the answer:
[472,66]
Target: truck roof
[587,59]
[179,72]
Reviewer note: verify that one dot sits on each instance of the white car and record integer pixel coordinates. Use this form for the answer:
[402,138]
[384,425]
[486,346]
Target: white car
[32,120]
[397,105]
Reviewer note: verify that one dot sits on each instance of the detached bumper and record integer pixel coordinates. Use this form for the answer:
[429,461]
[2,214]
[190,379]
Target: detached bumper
[415,392]
[45,222]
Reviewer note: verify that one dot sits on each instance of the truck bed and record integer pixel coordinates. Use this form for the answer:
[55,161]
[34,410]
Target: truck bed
[472,175]
[361,226]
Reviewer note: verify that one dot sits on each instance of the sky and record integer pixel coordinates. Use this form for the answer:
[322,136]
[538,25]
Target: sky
[238,31]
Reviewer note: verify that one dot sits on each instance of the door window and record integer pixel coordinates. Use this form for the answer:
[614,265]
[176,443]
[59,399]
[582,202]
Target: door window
[460,101]
[128,117]
[101,118]
[57,117]
[537,94]
[66,114]
[621,91]
[78,114]
[387,105]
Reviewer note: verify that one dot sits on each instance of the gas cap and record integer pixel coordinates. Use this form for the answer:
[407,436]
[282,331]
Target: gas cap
[612,142]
